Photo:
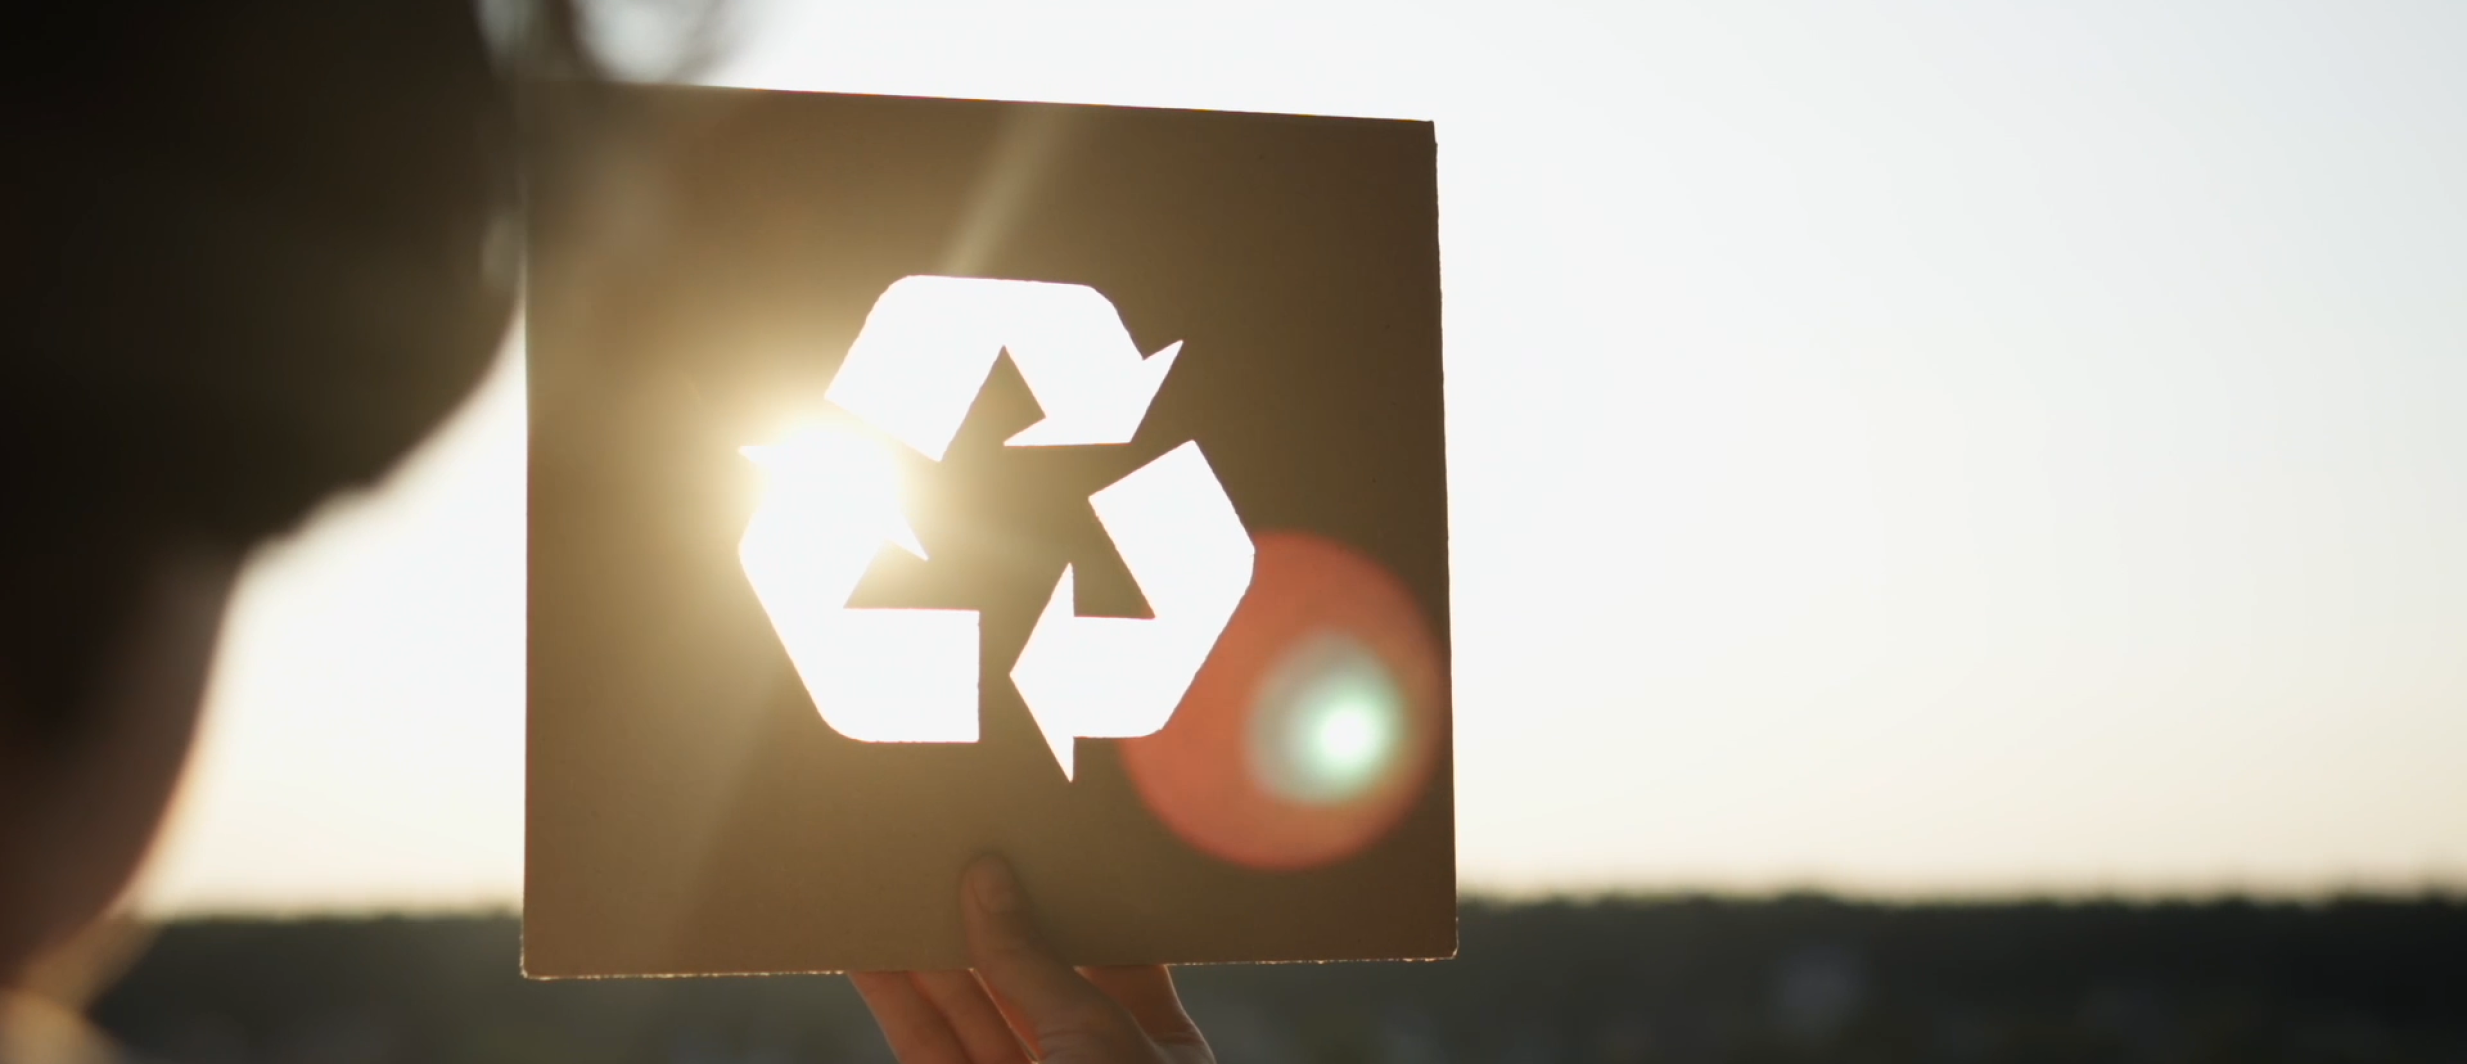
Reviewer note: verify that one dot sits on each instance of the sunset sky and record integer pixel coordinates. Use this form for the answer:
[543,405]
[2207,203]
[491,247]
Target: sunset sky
[1910,448]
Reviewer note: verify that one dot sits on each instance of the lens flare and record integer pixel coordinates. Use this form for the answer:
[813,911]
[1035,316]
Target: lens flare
[1316,724]
[1327,723]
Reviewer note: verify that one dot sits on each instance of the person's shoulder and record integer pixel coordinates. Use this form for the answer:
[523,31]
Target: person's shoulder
[36,1031]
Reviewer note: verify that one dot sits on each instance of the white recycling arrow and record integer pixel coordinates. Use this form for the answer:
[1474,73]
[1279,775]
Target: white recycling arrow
[882,676]
[927,345]
[913,373]
[1122,677]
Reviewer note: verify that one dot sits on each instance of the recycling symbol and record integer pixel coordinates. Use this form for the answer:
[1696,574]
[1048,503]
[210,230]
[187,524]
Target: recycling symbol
[832,502]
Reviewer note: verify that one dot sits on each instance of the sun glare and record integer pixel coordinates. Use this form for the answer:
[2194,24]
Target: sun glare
[831,500]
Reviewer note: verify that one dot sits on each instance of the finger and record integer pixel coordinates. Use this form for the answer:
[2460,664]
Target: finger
[915,1028]
[1013,957]
[1147,993]
[1020,1023]
[972,1016]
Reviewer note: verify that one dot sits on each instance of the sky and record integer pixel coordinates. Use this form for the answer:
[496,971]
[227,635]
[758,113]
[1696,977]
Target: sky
[1913,449]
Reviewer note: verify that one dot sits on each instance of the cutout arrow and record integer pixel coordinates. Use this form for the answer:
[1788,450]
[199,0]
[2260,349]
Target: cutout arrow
[877,675]
[929,342]
[1120,677]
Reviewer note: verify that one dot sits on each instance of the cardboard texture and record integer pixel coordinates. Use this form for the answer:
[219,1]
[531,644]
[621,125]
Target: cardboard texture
[701,261]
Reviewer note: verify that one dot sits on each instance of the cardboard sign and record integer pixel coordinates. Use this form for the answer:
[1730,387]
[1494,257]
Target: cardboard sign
[913,479]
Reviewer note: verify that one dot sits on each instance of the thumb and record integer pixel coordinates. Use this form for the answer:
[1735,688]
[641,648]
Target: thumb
[1010,953]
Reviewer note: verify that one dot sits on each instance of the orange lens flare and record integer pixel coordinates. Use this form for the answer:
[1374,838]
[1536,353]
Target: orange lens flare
[1315,724]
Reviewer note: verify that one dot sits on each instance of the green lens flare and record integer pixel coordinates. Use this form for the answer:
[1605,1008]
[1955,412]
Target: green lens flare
[1329,723]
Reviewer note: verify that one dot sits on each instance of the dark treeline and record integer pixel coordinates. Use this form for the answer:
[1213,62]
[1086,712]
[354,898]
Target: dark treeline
[1796,979]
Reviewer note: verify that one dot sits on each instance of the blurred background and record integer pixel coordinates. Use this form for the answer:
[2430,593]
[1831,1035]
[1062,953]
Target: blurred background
[1956,509]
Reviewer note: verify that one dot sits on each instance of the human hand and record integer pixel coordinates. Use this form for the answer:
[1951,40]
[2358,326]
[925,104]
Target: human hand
[1022,1003]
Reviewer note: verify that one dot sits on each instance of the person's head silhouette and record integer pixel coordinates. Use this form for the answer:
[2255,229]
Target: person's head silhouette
[249,253]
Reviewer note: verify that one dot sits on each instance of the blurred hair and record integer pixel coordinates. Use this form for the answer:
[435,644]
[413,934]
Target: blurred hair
[250,253]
